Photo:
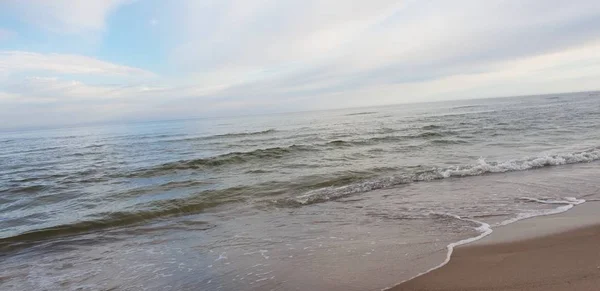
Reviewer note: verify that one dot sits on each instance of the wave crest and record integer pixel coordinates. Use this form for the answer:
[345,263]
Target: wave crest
[224,159]
[482,167]
[242,134]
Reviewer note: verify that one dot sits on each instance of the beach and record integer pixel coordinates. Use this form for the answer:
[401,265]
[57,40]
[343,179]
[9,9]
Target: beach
[356,199]
[255,145]
[545,253]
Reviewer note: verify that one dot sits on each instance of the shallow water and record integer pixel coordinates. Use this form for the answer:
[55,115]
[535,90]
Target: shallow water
[355,199]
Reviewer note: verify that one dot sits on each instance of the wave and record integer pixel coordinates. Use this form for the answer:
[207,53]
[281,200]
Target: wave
[161,209]
[431,134]
[36,150]
[466,106]
[482,167]
[153,210]
[279,152]
[224,136]
[332,193]
[427,135]
[566,204]
[434,137]
[361,113]
[454,114]
[447,141]
[385,130]
[343,143]
[485,229]
[432,127]
[26,189]
[566,200]
[241,134]
[328,190]
[93,146]
[151,136]
[172,185]
[234,158]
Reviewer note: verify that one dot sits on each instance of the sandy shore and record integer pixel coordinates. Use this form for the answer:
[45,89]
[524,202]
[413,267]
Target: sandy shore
[569,260]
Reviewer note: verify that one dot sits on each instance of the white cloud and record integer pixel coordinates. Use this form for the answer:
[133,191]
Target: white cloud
[263,33]
[65,16]
[60,88]
[52,90]
[295,55]
[576,69]
[12,62]
[336,46]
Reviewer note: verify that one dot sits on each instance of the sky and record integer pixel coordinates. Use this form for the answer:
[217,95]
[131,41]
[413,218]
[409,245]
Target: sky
[71,61]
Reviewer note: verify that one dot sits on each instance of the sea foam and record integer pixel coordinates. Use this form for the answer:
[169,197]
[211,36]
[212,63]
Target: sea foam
[481,167]
[486,229]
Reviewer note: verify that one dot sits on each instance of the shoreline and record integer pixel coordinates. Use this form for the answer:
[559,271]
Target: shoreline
[550,252]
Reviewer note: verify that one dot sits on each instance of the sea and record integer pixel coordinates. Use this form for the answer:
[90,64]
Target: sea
[349,199]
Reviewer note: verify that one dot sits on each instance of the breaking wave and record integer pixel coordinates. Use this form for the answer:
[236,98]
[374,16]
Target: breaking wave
[482,167]
[237,158]
[326,191]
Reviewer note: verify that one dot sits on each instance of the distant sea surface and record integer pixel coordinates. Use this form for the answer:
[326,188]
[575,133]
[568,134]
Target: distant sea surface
[353,199]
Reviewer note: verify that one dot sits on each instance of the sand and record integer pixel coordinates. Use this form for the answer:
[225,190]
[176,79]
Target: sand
[563,261]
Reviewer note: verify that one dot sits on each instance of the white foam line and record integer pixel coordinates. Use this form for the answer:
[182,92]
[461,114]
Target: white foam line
[567,200]
[567,204]
[486,230]
[481,167]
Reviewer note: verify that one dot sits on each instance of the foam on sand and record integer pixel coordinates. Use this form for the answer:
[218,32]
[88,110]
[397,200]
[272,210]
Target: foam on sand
[485,229]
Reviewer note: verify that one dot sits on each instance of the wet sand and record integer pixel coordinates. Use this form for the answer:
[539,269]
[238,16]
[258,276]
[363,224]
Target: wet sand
[567,260]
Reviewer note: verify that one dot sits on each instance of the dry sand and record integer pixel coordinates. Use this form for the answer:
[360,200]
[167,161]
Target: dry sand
[562,261]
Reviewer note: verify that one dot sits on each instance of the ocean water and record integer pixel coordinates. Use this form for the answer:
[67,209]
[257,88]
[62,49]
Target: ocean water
[353,199]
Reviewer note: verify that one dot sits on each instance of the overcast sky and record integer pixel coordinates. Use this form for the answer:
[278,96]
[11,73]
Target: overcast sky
[70,61]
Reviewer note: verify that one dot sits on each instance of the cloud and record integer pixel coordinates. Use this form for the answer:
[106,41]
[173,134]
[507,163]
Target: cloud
[227,56]
[274,34]
[56,90]
[65,16]
[262,33]
[50,101]
[51,89]
[12,62]
[575,69]
[325,47]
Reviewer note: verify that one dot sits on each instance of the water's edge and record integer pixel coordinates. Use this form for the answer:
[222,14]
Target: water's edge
[486,229]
